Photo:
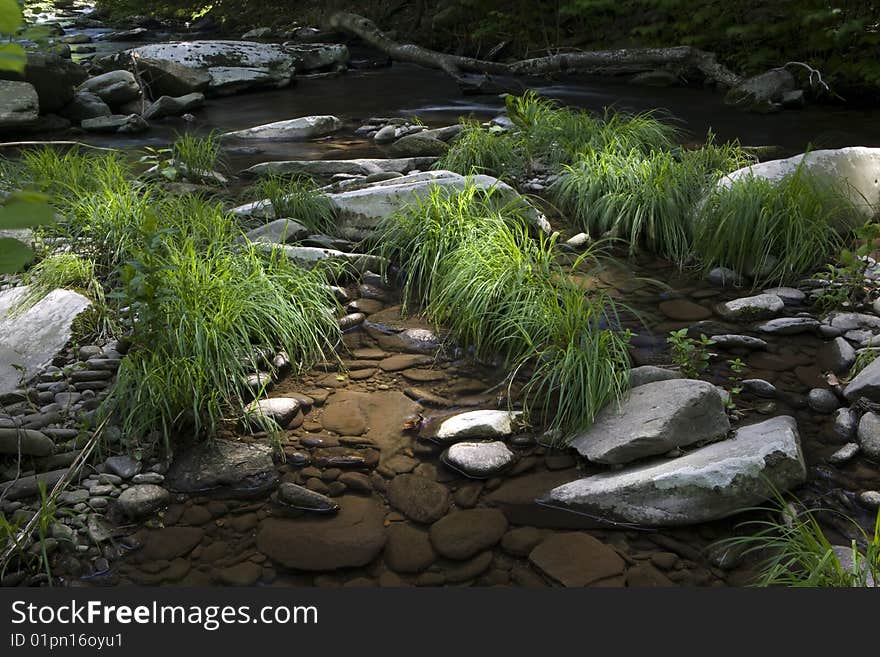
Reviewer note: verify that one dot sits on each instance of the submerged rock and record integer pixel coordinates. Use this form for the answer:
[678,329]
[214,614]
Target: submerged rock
[224,468]
[463,534]
[654,419]
[709,483]
[576,559]
[306,127]
[418,498]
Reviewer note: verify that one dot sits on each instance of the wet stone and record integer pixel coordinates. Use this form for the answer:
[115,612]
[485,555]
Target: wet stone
[844,454]
[576,559]
[823,400]
[463,534]
[684,310]
[479,460]
[846,421]
[304,499]
[408,550]
[418,498]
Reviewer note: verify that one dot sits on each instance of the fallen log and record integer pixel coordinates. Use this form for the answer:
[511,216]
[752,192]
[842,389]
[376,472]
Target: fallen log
[687,62]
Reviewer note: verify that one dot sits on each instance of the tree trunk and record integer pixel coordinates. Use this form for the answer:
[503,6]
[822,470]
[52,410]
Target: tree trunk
[689,63]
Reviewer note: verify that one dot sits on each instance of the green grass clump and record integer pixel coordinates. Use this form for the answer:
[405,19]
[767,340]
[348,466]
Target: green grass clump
[64,270]
[63,175]
[795,552]
[474,265]
[297,198]
[776,230]
[198,155]
[201,312]
[479,150]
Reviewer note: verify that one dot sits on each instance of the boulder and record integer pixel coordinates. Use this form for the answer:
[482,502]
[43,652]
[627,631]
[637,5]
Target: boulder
[654,419]
[328,168]
[306,127]
[712,482]
[85,105]
[418,145]
[855,168]
[479,460]
[279,231]
[223,467]
[168,78]
[760,90]
[760,306]
[19,105]
[118,123]
[350,539]
[114,88]
[142,500]
[53,78]
[174,106]
[32,338]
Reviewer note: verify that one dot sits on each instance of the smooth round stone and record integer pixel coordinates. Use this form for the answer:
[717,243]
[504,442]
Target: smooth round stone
[823,400]
[869,434]
[479,460]
[759,387]
[846,420]
[418,498]
[870,499]
[684,310]
[280,410]
[142,499]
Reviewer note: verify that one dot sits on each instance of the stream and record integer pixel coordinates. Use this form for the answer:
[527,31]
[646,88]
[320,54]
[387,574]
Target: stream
[356,437]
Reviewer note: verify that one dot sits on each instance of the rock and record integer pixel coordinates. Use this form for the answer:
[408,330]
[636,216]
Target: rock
[709,483]
[257,33]
[280,231]
[654,419]
[639,376]
[759,306]
[30,485]
[476,424]
[724,277]
[855,168]
[233,66]
[119,123]
[170,543]
[304,499]
[869,435]
[733,341]
[844,554]
[360,211]
[174,106]
[316,56]
[794,99]
[408,550]
[27,442]
[759,388]
[19,105]
[418,498]
[823,400]
[122,466]
[519,541]
[479,460]
[280,410]
[684,310]
[846,422]
[761,89]
[870,499]
[350,539]
[656,78]
[865,384]
[224,468]
[576,559]
[847,321]
[32,338]
[85,105]
[142,500]
[168,78]
[52,77]
[463,534]
[791,296]
[114,88]
[343,415]
[788,326]
[837,356]
[245,573]
[306,127]
[844,454]
[418,145]
[328,168]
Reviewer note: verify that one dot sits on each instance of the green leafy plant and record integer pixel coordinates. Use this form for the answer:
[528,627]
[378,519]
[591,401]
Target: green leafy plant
[848,284]
[737,368]
[691,355]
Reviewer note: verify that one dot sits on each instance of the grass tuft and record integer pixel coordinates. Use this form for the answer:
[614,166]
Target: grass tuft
[297,198]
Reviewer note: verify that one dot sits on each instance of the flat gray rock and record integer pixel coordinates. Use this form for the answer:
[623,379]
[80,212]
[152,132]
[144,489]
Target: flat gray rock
[306,127]
[639,376]
[712,482]
[788,326]
[223,467]
[654,419]
[326,168]
[760,306]
[865,384]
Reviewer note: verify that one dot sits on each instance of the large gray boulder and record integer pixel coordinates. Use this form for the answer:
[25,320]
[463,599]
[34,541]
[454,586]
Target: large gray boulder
[655,418]
[712,482]
[164,77]
[865,384]
[174,106]
[304,127]
[53,78]
[855,168]
[85,105]
[327,168]
[31,338]
[19,105]
[115,88]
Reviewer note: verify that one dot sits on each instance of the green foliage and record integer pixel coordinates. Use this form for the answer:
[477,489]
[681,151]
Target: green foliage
[203,311]
[472,264]
[691,355]
[21,211]
[297,198]
[777,230]
[847,282]
[12,55]
[198,156]
[864,357]
[491,151]
[796,553]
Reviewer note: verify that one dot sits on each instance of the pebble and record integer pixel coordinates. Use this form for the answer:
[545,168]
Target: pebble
[823,400]
[870,499]
[844,454]
[759,387]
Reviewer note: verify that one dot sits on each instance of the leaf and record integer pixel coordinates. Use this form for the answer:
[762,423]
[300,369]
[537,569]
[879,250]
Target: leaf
[12,57]
[10,16]
[14,255]
[26,214]
[170,173]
